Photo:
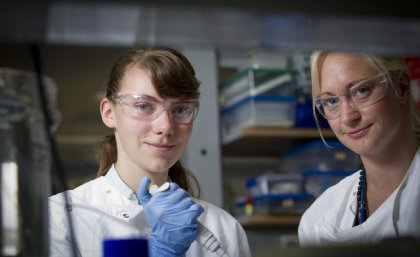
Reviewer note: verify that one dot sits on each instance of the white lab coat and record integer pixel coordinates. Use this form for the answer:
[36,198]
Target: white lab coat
[329,221]
[103,209]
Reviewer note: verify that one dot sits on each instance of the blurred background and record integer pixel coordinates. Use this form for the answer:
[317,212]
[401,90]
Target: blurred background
[255,124]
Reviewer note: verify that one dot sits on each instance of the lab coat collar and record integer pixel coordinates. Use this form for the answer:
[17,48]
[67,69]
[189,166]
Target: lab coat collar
[114,179]
[353,200]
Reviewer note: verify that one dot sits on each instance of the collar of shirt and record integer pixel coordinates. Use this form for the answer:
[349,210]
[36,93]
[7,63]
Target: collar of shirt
[115,180]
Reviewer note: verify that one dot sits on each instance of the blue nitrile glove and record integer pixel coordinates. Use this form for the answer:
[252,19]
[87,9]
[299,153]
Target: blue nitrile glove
[172,216]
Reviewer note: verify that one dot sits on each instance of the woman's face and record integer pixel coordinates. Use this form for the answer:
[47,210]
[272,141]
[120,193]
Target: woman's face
[152,146]
[366,130]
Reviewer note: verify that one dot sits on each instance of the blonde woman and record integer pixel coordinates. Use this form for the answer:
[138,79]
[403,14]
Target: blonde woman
[367,102]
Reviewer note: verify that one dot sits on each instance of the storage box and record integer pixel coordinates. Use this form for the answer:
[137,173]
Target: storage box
[276,194]
[267,59]
[257,111]
[254,81]
[317,181]
[274,184]
[316,156]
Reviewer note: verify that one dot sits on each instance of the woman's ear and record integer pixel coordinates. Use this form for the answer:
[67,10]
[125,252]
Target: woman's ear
[403,87]
[107,113]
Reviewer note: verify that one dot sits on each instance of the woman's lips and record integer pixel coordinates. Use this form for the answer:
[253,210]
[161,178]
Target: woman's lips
[358,132]
[161,147]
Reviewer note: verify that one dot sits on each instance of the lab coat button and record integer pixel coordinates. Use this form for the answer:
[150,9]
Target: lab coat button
[125,215]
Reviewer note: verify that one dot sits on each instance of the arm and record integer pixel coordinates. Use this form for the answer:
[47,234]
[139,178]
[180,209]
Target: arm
[303,232]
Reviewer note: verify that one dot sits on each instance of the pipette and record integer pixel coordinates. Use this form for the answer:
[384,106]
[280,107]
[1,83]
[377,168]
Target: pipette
[205,236]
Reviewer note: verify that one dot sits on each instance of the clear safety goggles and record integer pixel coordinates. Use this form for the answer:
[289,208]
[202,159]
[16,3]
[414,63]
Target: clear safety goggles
[363,94]
[148,108]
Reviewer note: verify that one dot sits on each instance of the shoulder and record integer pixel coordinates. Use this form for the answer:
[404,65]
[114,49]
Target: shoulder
[80,193]
[212,211]
[415,164]
[328,206]
[218,218]
[91,193]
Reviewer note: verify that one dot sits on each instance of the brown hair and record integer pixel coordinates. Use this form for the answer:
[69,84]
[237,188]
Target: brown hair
[172,76]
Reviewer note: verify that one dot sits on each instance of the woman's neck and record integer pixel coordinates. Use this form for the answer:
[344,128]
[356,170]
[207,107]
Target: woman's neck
[131,174]
[386,172]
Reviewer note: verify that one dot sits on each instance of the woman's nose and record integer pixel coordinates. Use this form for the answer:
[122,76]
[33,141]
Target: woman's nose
[164,124]
[349,113]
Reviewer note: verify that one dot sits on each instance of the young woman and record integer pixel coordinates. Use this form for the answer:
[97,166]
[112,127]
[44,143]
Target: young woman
[367,102]
[151,103]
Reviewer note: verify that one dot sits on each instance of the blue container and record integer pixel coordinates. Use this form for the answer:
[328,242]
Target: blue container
[304,114]
[130,247]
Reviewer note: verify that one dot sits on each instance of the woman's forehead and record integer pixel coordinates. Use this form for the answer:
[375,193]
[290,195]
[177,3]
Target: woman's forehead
[340,71]
[344,67]
[338,63]
[137,81]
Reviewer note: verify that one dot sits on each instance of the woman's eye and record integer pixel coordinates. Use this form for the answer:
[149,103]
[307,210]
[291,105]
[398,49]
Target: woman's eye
[361,91]
[145,107]
[181,110]
[330,102]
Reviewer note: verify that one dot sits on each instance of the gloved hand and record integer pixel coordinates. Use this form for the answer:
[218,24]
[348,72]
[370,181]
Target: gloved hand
[172,216]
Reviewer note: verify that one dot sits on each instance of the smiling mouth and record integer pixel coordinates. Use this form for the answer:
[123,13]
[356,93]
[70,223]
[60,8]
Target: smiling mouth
[358,133]
[161,147]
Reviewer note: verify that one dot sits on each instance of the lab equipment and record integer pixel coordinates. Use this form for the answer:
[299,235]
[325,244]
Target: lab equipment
[274,184]
[274,204]
[315,155]
[205,236]
[256,81]
[265,111]
[275,194]
[25,163]
[127,247]
[257,97]
[317,181]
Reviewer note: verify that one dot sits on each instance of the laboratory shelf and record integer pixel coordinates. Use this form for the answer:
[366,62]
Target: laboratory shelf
[270,141]
[258,149]
[285,132]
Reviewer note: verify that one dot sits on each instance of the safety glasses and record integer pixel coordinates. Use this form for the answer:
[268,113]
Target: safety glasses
[147,108]
[364,93]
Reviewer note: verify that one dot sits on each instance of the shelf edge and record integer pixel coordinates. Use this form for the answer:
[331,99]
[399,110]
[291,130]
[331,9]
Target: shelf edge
[285,132]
